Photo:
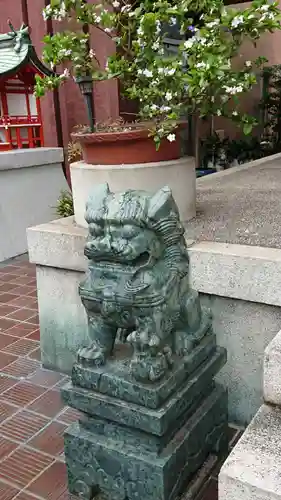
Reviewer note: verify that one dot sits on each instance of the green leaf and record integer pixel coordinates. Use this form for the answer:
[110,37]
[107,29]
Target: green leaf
[247,128]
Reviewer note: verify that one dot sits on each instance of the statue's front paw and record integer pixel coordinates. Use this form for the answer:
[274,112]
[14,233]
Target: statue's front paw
[158,368]
[147,368]
[91,356]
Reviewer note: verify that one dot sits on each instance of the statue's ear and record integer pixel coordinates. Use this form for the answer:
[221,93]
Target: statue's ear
[96,200]
[97,196]
[161,203]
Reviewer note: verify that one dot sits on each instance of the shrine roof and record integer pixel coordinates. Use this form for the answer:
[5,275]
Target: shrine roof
[16,51]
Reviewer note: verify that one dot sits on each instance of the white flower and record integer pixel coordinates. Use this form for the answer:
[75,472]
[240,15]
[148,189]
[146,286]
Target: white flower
[188,44]
[248,64]
[155,45]
[126,8]
[47,12]
[202,40]
[270,15]
[66,73]
[233,90]
[264,7]
[116,4]
[62,9]
[201,65]
[236,21]
[169,96]
[171,137]
[147,73]
[65,52]
[91,54]
[98,19]
[212,23]
[218,112]
[165,109]
[158,26]
[167,71]
[173,21]
[107,30]
[234,113]
[154,107]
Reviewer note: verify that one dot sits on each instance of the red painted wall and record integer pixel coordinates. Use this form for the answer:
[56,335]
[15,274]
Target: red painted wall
[72,104]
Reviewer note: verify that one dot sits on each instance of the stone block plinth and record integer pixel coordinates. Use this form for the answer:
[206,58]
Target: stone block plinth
[144,441]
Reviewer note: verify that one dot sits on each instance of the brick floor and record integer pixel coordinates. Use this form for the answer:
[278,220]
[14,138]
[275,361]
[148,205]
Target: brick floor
[32,416]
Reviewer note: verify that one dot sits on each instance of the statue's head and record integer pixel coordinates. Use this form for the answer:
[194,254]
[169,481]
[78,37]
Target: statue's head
[132,227]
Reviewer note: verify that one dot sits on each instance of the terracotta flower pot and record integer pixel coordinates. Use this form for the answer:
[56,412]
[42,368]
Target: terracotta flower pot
[126,147]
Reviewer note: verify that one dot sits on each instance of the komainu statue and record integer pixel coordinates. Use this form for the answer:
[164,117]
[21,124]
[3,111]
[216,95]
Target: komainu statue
[151,412]
[136,288]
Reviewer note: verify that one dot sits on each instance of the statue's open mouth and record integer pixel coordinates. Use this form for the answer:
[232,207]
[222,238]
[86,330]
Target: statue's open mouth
[139,261]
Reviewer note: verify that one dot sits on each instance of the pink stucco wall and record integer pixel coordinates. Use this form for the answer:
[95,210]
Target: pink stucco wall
[268,46]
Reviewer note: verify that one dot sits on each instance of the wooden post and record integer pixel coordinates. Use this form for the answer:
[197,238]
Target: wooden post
[24,10]
[56,99]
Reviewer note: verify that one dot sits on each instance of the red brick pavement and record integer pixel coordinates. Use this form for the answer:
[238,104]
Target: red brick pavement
[32,416]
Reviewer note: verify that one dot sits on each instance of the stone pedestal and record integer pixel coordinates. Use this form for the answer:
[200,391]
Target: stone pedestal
[144,441]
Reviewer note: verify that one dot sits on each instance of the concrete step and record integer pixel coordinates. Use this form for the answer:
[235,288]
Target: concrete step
[253,469]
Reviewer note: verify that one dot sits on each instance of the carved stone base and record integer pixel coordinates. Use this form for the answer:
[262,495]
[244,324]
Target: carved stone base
[150,450]
[102,463]
[114,379]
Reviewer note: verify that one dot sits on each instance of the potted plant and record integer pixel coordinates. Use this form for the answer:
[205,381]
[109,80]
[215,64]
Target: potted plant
[156,79]
[199,78]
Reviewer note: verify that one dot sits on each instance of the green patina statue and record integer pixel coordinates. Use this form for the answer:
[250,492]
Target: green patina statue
[151,411]
[137,282]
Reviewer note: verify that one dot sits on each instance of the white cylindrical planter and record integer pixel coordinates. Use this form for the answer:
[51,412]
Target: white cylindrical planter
[179,175]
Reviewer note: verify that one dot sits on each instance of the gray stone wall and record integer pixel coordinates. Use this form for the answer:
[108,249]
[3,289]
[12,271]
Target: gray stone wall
[245,329]
[30,183]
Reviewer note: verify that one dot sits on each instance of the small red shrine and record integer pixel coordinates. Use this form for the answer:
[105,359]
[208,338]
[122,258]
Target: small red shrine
[20,111]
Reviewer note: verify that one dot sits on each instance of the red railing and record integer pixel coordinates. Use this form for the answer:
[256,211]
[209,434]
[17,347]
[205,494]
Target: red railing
[20,132]
[19,120]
